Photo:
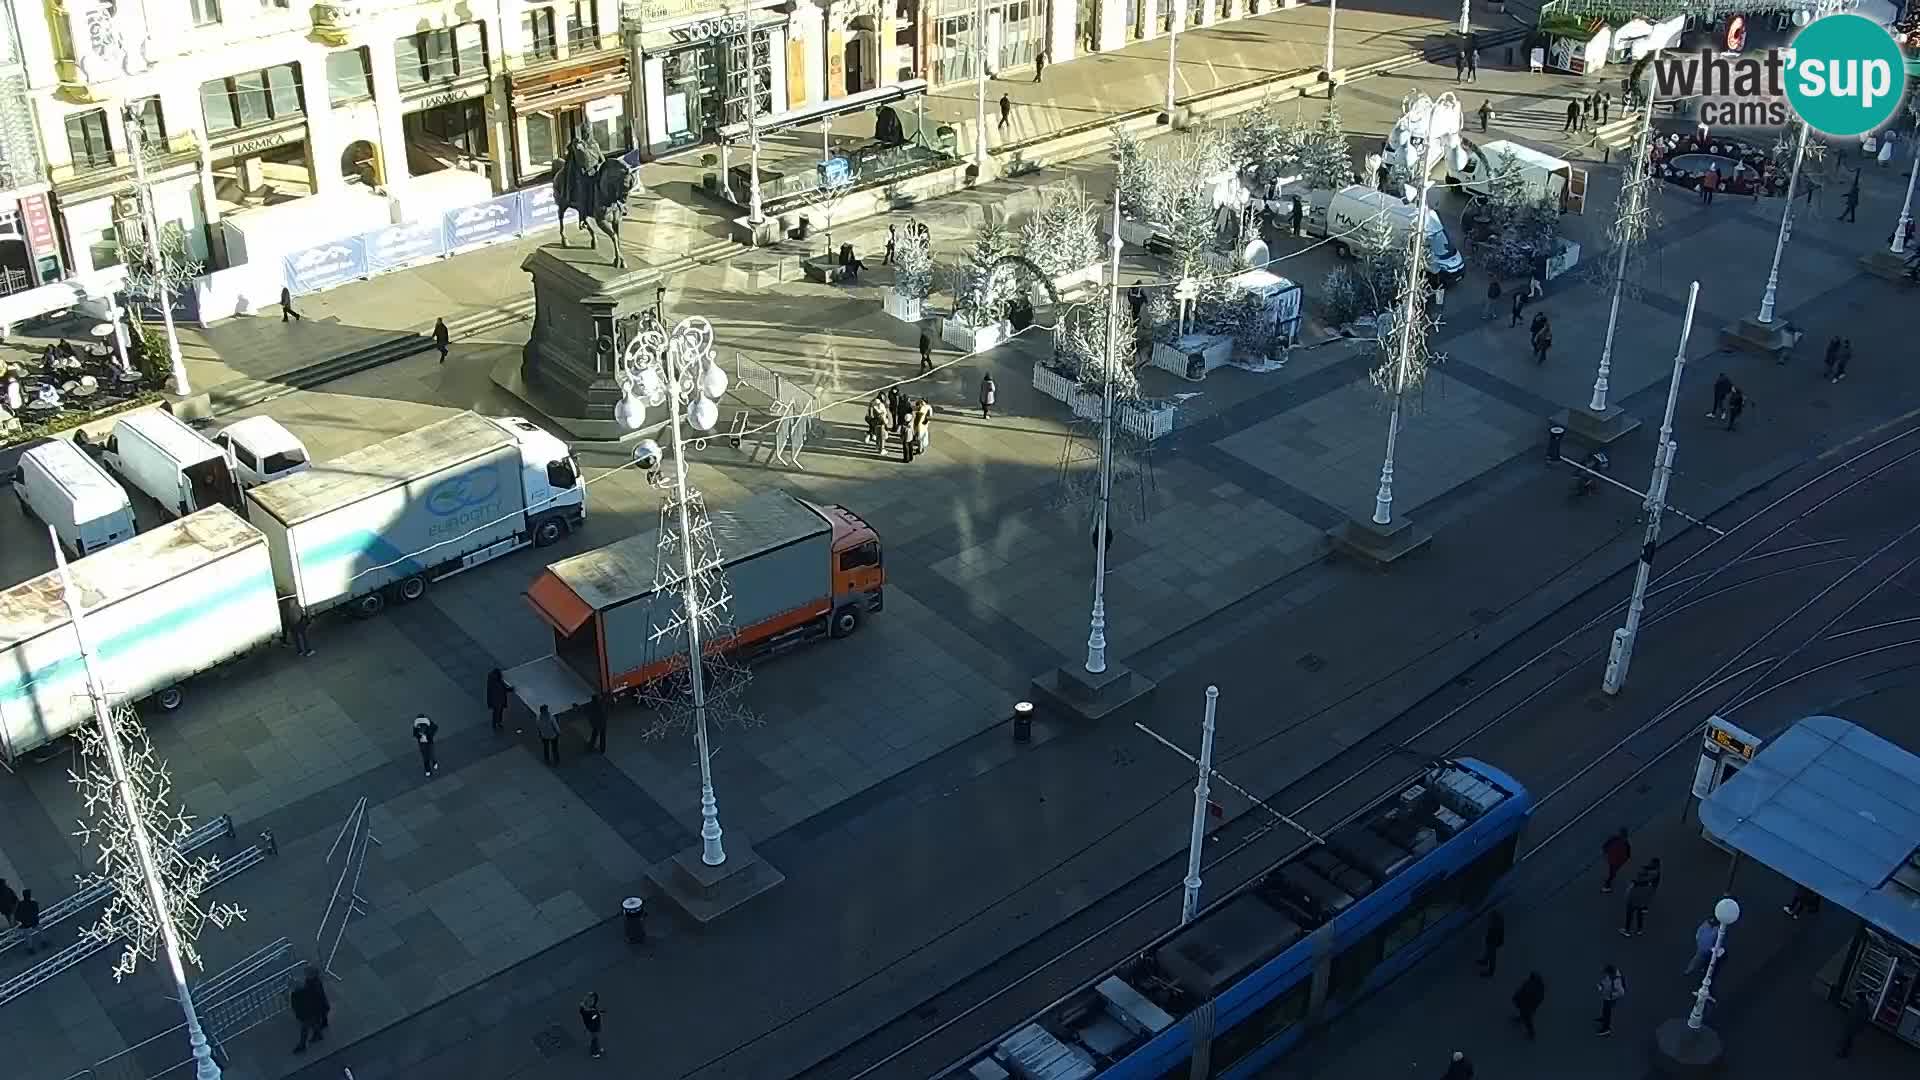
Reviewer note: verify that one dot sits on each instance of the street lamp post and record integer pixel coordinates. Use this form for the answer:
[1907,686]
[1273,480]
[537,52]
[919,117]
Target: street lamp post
[1786,230]
[1466,24]
[679,371]
[755,214]
[1625,637]
[1332,10]
[1190,903]
[980,88]
[204,1067]
[1726,912]
[150,222]
[1906,205]
[1097,636]
[1176,17]
[1637,177]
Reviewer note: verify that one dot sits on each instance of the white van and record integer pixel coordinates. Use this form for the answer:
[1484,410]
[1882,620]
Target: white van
[1354,207]
[60,485]
[175,465]
[262,450]
[1546,177]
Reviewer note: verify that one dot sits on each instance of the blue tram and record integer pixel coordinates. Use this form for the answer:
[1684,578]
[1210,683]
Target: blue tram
[1230,992]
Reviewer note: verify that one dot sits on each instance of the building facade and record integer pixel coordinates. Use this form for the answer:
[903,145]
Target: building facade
[29,249]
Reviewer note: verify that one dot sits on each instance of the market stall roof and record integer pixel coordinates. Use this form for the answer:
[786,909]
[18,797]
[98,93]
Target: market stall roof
[1835,808]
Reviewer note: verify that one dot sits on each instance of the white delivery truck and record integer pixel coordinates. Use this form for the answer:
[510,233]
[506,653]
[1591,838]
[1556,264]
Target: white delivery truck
[60,485]
[175,465]
[1545,176]
[261,450]
[1354,208]
[162,607]
[382,522]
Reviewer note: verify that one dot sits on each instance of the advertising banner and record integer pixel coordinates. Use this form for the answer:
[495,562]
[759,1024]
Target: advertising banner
[398,246]
[39,222]
[327,265]
[537,210]
[484,223]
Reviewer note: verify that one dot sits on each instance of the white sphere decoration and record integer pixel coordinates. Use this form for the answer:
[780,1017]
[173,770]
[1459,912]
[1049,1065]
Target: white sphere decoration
[647,450]
[630,413]
[1727,911]
[703,414]
[713,382]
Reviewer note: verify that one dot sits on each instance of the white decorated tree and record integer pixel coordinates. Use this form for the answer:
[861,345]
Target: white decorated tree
[1521,226]
[1324,160]
[980,295]
[153,265]
[912,265]
[1081,347]
[1268,146]
[1063,236]
[1373,281]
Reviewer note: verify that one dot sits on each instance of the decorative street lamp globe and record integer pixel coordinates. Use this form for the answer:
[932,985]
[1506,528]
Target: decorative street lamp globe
[1727,911]
[654,365]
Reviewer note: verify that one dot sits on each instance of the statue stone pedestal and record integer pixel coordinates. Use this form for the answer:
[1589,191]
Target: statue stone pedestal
[567,370]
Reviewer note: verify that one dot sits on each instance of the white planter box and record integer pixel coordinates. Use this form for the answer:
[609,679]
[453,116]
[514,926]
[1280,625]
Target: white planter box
[974,339]
[905,308]
[1215,351]
[1052,383]
[1137,420]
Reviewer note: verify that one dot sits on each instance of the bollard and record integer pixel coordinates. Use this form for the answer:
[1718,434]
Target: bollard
[633,916]
[1554,435]
[267,842]
[1023,722]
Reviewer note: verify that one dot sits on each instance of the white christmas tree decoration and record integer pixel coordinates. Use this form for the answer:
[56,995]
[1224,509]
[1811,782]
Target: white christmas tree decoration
[1063,236]
[913,265]
[980,295]
[1325,162]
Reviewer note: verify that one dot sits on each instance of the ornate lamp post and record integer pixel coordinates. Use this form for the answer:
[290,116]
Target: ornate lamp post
[679,372]
[1786,230]
[150,222]
[1899,246]
[1333,7]
[980,87]
[1629,231]
[1176,17]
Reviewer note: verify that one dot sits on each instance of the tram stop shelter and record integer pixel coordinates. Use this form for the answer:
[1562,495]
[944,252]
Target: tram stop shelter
[1836,809]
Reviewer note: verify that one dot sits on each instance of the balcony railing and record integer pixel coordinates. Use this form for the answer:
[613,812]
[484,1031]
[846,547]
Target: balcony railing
[566,49]
[118,169]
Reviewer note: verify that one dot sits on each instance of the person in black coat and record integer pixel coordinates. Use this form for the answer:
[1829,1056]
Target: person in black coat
[286,305]
[497,691]
[1496,937]
[441,338]
[310,1008]
[1527,1001]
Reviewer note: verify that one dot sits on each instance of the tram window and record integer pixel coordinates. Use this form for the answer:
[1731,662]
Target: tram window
[1352,967]
[1401,932]
[1260,1026]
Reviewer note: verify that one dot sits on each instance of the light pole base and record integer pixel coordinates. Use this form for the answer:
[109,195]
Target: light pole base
[1767,339]
[1883,263]
[705,892]
[1680,1051]
[1597,428]
[1072,689]
[1379,545]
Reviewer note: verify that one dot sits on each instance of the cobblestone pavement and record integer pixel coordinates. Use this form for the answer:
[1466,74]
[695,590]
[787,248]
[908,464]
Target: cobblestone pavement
[915,839]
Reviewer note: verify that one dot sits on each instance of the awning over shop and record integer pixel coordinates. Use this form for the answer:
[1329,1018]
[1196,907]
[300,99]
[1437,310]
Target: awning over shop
[1835,808]
[827,110]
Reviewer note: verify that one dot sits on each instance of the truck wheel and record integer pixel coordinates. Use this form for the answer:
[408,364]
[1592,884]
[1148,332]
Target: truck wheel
[169,699]
[549,532]
[410,589]
[369,605]
[845,621]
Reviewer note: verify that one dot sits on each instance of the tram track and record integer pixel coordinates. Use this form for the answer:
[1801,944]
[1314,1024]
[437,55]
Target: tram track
[944,1027]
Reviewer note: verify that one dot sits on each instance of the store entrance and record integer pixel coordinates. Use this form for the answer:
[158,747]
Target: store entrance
[242,181]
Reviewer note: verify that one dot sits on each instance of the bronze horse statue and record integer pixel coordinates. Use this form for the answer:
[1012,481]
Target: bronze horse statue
[596,187]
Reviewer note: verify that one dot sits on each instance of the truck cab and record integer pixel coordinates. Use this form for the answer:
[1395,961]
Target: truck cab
[556,492]
[859,568]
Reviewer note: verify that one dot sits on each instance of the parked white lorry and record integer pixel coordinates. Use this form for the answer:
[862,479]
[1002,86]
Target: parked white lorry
[1352,210]
[60,485]
[381,523]
[160,608]
[176,466]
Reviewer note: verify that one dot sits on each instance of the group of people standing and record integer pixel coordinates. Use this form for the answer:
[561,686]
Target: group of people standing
[1584,112]
[892,412]
[21,914]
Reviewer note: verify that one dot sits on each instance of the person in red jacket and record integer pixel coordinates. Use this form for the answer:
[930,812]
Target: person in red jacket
[1617,852]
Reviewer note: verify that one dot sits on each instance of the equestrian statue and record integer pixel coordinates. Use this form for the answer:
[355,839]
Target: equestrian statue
[594,186]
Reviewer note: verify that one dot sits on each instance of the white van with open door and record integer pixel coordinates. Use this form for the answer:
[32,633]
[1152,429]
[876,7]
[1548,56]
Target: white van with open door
[59,485]
[173,464]
[1355,207]
[262,450]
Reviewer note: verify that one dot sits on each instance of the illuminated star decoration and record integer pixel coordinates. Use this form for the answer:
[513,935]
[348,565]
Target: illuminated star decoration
[130,916]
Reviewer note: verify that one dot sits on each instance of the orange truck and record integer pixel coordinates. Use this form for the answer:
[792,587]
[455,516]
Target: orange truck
[795,571]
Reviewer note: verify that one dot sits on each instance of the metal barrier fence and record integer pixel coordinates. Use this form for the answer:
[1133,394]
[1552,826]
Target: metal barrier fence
[357,834]
[792,407]
[219,828]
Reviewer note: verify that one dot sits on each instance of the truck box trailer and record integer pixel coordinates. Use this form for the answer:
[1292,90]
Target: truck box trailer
[382,522]
[795,571]
[160,608]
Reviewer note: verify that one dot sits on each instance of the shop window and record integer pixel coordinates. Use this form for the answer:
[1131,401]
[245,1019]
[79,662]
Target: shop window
[87,140]
[583,25]
[251,98]
[153,129]
[541,148]
[462,125]
[349,75]
[436,56]
[205,12]
[536,35]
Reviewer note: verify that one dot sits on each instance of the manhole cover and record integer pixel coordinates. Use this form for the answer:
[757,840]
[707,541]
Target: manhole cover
[552,1041]
[1483,615]
[1312,662]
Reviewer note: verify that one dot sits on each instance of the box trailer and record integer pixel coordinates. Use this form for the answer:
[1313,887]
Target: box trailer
[160,608]
[795,571]
[382,522]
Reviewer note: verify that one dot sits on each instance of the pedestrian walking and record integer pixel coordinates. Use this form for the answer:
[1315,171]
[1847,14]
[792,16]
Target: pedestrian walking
[892,237]
[1606,106]
[1722,386]
[497,690]
[1039,63]
[590,1019]
[986,396]
[1845,357]
[1832,356]
[9,901]
[297,622]
[1542,341]
[286,306]
[1615,851]
[1492,307]
[1299,211]
[1593,109]
[441,338]
[1804,901]
[549,730]
[1486,116]
[909,437]
[1496,936]
[1859,1015]
[1639,898]
[1705,937]
[1006,110]
[1519,307]
[926,352]
[1573,116]
[1852,204]
[1709,183]
[26,919]
[877,422]
[310,1008]
[1527,999]
[1736,404]
[1473,63]
[1612,987]
[423,732]
[1460,65]
[922,425]
[597,724]
[1460,1068]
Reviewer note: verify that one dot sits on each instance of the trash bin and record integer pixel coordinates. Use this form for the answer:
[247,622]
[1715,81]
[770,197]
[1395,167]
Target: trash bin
[1023,722]
[1554,435]
[633,915]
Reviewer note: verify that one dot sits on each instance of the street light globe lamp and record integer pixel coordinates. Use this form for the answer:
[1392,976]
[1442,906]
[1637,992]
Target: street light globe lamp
[1727,911]
[1687,1045]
